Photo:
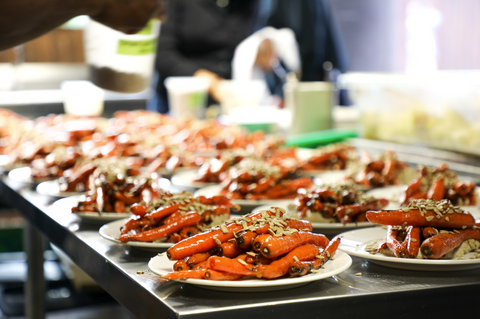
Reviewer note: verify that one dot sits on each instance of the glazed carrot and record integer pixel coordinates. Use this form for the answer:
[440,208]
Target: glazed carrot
[277,246]
[180,265]
[280,267]
[174,238]
[169,219]
[362,217]
[197,258]
[437,190]
[135,222]
[412,242]
[412,188]
[245,238]
[186,274]
[163,211]
[188,232]
[299,224]
[428,232]
[395,246]
[441,244]
[229,265]
[259,240]
[138,209]
[127,199]
[249,259]
[414,218]
[220,275]
[205,241]
[301,268]
[186,220]
[202,265]
[119,206]
[463,188]
[230,249]
[355,209]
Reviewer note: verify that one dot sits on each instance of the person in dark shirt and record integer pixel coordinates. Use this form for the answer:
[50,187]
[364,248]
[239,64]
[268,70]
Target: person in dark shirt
[199,38]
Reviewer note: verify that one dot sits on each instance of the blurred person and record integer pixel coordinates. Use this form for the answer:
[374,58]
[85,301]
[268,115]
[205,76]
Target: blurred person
[24,20]
[316,32]
[199,38]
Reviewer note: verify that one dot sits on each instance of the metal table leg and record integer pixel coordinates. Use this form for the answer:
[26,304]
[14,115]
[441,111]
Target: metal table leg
[35,284]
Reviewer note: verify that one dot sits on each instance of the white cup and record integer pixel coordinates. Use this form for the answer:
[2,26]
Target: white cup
[82,98]
[311,106]
[187,95]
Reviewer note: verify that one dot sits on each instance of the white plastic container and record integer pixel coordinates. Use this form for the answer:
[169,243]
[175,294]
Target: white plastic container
[121,62]
[187,95]
[440,109]
[82,98]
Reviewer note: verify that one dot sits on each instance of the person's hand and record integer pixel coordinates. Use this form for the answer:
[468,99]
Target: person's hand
[128,16]
[214,83]
[265,55]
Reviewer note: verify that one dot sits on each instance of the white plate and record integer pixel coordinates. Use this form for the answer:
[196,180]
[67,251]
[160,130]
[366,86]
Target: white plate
[354,242]
[23,175]
[186,180]
[66,204]
[111,232]
[324,228]
[244,203]
[330,178]
[52,188]
[160,265]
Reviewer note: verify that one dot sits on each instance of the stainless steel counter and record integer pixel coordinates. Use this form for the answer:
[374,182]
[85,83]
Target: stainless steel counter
[380,291]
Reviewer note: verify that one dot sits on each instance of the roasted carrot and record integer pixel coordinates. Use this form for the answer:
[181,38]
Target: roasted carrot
[135,221]
[202,265]
[395,246]
[301,268]
[189,232]
[245,238]
[138,209]
[279,267]
[355,209]
[229,265]
[189,219]
[412,188]
[428,232]
[414,218]
[437,190]
[220,275]
[259,240]
[197,258]
[441,244]
[277,246]
[205,241]
[186,274]
[163,211]
[180,265]
[230,249]
[412,242]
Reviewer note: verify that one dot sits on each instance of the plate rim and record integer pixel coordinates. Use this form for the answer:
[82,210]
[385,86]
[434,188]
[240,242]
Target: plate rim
[260,283]
[106,216]
[177,179]
[45,184]
[383,258]
[114,223]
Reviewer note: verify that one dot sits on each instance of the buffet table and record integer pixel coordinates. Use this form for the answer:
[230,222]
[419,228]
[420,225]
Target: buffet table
[364,290]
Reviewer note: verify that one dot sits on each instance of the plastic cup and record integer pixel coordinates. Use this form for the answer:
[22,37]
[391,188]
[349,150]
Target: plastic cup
[187,95]
[82,98]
